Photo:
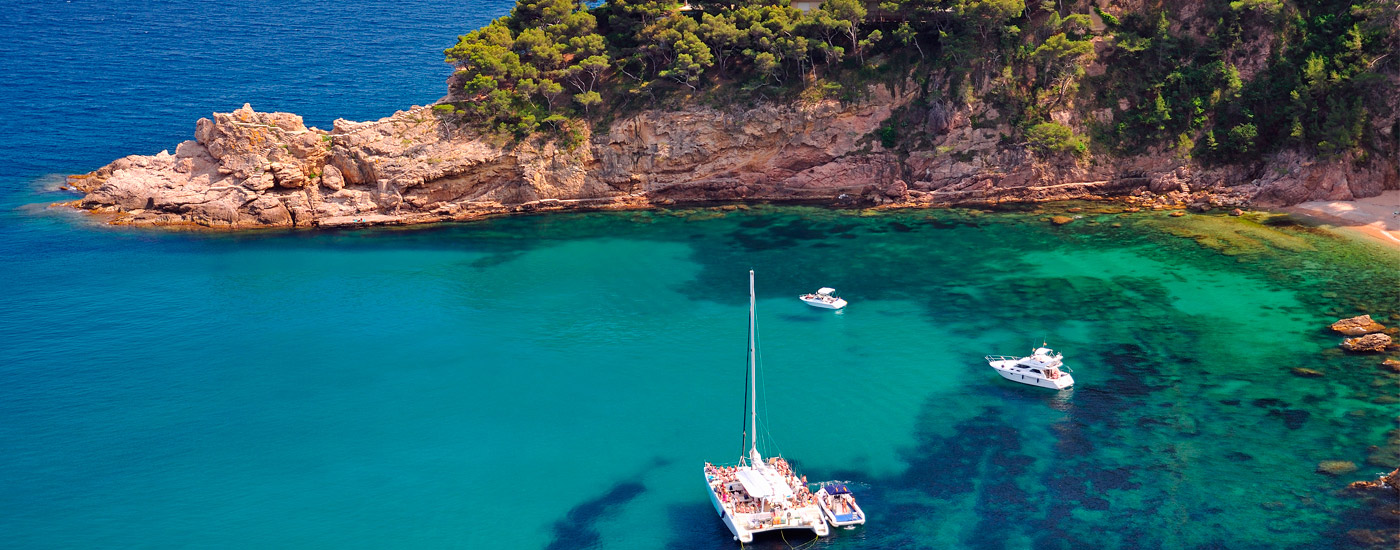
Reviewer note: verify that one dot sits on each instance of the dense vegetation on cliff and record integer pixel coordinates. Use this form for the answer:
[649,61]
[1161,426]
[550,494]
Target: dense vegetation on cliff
[1220,81]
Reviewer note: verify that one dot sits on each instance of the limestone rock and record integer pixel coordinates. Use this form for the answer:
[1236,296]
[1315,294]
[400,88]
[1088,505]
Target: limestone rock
[287,176]
[1296,178]
[1306,373]
[331,178]
[417,167]
[1061,220]
[1392,364]
[1385,482]
[1357,326]
[1370,342]
[261,181]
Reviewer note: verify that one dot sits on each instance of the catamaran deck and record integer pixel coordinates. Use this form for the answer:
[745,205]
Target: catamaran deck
[768,497]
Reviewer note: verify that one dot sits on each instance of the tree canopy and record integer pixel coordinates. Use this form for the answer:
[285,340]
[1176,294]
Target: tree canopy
[557,65]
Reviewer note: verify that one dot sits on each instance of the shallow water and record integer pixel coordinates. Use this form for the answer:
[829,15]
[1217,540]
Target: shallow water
[556,381]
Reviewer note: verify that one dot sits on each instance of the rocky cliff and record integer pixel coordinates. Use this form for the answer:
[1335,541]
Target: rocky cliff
[250,169]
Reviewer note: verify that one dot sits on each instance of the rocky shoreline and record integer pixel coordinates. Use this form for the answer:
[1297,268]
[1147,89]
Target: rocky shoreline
[247,169]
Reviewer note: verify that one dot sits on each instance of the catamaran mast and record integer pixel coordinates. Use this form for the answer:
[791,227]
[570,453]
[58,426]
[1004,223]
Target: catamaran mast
[753,373]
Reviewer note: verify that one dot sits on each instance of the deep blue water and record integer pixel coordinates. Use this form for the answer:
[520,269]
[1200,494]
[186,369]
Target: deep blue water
[556,381]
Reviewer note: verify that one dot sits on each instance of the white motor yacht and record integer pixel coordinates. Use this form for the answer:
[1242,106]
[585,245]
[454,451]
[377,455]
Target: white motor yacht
[1043,367]
[823,298]
[757,495]
[839,505]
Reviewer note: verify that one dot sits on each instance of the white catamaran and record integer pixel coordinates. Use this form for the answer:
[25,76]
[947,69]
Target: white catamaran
[758,495]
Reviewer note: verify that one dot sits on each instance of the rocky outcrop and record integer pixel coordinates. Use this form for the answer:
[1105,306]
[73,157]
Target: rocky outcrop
[248,169]
[1385,482]
[1357,326]
[1382,495]
[1368,343]
[252,169]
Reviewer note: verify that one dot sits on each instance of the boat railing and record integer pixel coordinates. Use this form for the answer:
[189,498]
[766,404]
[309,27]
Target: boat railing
[1002,358]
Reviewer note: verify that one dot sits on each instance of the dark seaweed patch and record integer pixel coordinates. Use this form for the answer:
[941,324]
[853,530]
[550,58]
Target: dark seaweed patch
[577,529]
[1295,418]
[1237,456]
[1112,478]
[757,222]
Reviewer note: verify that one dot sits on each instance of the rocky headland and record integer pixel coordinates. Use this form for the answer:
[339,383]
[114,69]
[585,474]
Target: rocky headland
[248,169]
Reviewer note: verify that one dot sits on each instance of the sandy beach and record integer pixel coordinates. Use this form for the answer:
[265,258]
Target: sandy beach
[1375,217]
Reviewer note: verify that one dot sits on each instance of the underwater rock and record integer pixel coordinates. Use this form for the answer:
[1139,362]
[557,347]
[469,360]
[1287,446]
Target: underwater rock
[1237,212]
[1357,326]
[1368,537]
[1061,220]
[1370,342]
[1383,496]
[1392,364]
[1336,467]
[1306,373]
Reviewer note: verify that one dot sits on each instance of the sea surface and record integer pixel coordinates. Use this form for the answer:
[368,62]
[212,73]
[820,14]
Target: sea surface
[557,381]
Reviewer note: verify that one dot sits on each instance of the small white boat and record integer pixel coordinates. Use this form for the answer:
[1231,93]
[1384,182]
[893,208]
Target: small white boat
[1043,367]
[758,495]
[839,506]
[823,298]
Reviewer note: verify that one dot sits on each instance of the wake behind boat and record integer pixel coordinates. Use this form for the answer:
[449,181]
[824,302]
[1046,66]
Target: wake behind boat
[1043,367]
[823,298]
[839,505]
[758,495]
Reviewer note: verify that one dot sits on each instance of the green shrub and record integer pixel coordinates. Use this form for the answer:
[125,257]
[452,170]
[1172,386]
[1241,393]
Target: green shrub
[1055,138]
[889,135]
[1108,18]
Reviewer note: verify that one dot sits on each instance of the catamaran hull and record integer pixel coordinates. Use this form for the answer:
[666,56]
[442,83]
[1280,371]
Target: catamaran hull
[739,534]
[1063,382]
[815,524]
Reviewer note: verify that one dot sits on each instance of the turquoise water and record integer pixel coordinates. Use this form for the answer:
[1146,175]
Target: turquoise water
[556,381]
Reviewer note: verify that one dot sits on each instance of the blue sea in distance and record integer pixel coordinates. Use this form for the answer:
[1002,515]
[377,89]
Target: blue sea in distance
[557,381]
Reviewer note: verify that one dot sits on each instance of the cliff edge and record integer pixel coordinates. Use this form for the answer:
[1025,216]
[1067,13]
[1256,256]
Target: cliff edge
[249,169]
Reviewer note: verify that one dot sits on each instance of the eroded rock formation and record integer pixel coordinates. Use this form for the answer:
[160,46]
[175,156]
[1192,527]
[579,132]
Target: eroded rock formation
[1357,326]
[251,169]
[1368,343]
